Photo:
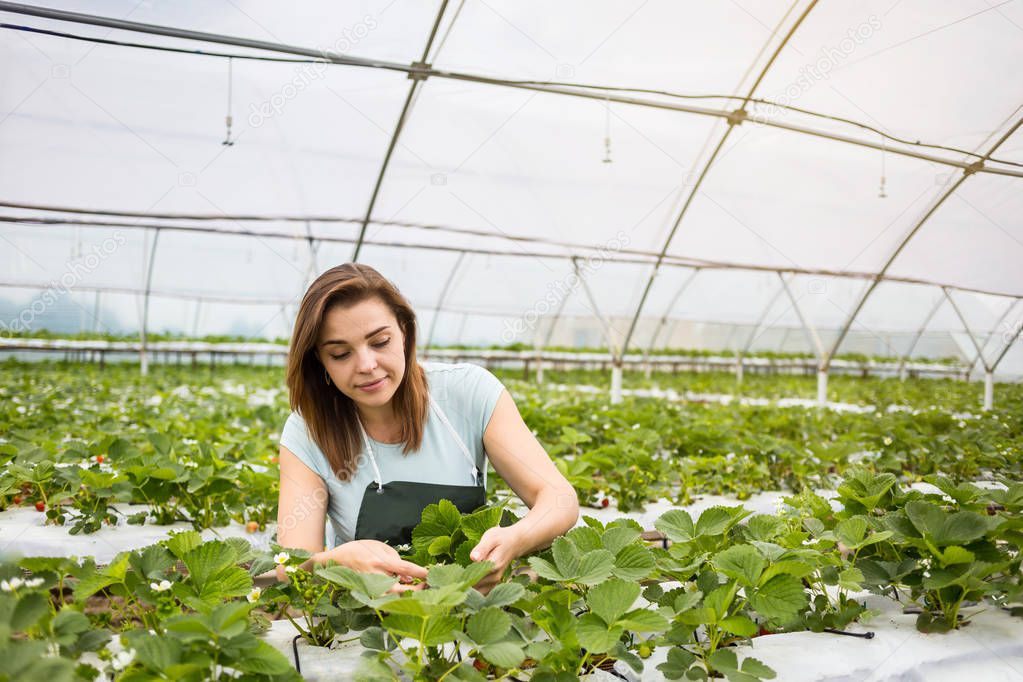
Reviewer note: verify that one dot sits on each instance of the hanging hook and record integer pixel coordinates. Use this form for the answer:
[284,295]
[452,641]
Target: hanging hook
[228,142]
[607,130]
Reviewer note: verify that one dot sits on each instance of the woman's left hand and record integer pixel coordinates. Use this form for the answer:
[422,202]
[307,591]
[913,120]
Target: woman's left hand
[500,545]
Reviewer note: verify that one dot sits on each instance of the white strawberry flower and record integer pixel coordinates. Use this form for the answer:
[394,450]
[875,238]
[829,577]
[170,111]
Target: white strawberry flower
[290,569]
[34,582]
[281,558]
[161,586]
[122,659]
[11,585]
[254,595]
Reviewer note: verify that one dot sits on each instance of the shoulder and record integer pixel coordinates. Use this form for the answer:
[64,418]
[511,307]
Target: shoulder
[295,434]
[295,423]
[295,437]
[457,378]
[466,390]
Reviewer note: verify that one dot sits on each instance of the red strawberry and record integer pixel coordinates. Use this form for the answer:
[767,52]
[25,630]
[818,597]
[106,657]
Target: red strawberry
[605,502]
[40,506]
[99,459]
[17,499]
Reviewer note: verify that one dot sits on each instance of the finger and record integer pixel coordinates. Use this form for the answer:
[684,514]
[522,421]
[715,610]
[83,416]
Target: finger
[410,569]
[486,545]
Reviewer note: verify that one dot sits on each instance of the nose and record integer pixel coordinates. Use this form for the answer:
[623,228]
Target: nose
[366,360]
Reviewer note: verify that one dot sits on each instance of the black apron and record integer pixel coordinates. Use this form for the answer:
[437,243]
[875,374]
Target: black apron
[390,511]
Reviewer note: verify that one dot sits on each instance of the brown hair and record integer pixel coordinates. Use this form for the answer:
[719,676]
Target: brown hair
[330,416]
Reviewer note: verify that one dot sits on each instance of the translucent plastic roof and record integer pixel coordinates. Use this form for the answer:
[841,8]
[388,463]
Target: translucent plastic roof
[532,134]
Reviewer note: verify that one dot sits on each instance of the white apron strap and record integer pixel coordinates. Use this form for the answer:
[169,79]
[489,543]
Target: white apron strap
[461,445]
[372,460]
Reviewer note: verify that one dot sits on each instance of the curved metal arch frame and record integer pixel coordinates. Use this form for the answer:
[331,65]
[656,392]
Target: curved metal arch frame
[738,117]
[422,71]
[406,110]
[419,71]
[935,205]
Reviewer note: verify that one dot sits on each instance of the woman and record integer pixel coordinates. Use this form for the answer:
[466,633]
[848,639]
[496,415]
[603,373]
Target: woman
[374,437]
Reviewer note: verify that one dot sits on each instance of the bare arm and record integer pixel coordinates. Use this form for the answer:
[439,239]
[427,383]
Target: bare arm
[302,519]
[523,463]
[301,506]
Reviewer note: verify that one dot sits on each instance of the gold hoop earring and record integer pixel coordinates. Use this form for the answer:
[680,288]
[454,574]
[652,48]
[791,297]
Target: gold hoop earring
[326,377]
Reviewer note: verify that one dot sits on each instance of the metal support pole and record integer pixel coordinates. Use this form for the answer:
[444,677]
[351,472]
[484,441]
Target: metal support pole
[402,119]
[616,351]
[784,338]
[461,329]
[969,333]
[143,359]
[616,383]
[973,168]
[812,338]
[664,318]
[753,333]
[549,336]
[739,115]
[96,312]
[670,335]
[994,328]
[989,377]
[440,300]
[1012,339]
[916,337]
[195,320]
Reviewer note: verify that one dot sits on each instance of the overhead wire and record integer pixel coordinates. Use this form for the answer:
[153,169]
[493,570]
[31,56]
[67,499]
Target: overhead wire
[513,82]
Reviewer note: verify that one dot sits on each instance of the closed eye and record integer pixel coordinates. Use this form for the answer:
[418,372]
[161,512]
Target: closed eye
[378,344]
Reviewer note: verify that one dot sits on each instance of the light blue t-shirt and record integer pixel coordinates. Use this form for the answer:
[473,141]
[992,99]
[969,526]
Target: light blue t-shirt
[466,393]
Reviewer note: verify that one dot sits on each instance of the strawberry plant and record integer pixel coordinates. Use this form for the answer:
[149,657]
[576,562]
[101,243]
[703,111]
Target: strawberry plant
[445,535]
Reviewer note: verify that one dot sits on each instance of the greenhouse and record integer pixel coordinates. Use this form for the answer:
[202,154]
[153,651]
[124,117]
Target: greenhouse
[721,302]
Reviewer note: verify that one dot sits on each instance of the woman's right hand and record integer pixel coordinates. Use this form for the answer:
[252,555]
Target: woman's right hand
[373,556]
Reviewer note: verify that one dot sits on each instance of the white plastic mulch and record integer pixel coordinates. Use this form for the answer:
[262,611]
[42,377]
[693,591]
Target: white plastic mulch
[23,532]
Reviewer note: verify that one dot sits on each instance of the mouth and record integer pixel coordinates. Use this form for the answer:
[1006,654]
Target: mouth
[371,385]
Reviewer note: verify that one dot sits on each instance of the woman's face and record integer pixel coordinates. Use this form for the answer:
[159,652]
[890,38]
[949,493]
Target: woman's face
[363,350]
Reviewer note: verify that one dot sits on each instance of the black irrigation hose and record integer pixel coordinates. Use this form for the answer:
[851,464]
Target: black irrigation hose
[615,673]
[861,635]
[294,649]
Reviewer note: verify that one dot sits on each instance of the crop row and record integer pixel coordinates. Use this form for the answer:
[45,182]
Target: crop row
[187,610]
[203,450]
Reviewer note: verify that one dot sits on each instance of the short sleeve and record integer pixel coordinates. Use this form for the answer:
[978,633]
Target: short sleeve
[296,438]
[484,391]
